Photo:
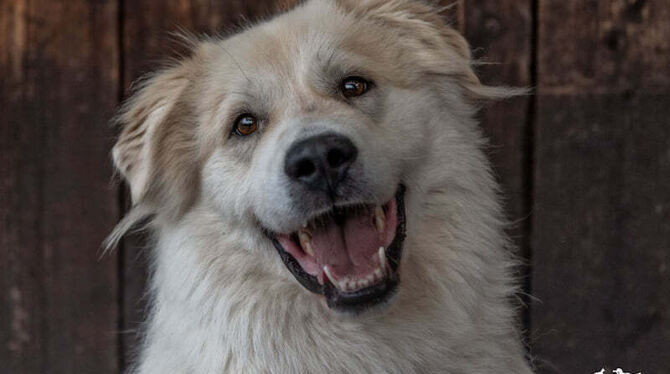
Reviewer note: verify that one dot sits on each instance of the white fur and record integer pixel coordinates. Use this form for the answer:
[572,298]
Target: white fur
[223,301]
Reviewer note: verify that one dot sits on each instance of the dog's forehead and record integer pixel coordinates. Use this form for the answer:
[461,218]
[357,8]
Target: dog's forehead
[282,49]
[300,45]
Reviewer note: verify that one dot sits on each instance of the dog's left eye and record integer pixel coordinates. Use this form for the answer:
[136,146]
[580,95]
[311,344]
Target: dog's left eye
[354,86]
[246,124]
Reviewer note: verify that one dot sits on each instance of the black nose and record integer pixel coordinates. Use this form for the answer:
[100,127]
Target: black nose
[320,162]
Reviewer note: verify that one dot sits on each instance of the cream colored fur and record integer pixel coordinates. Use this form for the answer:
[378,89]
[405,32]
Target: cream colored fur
[222,300]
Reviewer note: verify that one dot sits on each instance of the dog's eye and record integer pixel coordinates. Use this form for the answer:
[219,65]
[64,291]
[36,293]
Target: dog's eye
[245,124]
[354,86]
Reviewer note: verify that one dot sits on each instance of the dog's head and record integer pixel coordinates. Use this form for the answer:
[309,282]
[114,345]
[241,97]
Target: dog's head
[309,129]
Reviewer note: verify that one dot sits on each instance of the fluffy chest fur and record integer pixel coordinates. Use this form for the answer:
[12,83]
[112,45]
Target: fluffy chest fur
[217,310]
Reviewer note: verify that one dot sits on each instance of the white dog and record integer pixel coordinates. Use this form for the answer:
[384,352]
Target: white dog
[320,200]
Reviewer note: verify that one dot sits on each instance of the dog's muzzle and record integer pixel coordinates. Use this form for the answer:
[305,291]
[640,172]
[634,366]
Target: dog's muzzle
[350,253]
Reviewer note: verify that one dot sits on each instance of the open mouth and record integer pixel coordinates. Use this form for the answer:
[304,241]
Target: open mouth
[349,254]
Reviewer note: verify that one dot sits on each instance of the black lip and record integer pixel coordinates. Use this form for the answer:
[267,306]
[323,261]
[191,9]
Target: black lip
[363,299]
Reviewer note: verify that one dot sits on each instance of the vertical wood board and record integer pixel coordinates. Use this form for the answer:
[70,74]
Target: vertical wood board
[601,237]
[59,87]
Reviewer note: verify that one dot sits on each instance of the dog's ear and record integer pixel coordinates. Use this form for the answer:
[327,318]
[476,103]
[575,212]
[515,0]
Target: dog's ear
[437,47]
[142,119]
[156,150]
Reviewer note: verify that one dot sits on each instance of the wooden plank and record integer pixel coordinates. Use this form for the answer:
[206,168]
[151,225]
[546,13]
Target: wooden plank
[602,233]
[500,35]
[148,24]
[147,41]
[600,46]
[500,31]
[601,227]
[59,87]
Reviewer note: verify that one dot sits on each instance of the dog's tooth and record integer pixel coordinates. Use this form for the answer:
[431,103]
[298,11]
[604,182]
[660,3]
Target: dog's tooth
[308,249]
[370,277]
[363,283]
[382,258]
[378,274]
[380,219]
[330,276]
[344,285]
[305,242]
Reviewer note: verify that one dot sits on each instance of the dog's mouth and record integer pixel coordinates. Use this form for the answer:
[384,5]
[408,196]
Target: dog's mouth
[349,254]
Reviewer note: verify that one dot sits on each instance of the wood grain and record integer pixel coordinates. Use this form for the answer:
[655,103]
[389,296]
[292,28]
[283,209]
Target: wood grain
[59,84]
[500,34]
[602,233]
[598,193]
[603,46]
[601,227]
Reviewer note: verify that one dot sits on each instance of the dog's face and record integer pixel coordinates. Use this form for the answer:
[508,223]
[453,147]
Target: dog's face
[308,129]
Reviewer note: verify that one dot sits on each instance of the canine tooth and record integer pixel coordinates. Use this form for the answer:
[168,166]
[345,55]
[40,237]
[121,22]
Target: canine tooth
[382,258]
[305,242]
[308,249]
[330,276]
[380,217]
[378,274]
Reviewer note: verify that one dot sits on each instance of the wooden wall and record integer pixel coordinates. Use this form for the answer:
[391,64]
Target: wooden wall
[585,165]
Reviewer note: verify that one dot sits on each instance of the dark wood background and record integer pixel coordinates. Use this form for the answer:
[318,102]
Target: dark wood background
[585,165]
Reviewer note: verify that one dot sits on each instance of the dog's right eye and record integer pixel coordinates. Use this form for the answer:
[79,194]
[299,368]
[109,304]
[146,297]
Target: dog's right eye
[354,86]
[246,124]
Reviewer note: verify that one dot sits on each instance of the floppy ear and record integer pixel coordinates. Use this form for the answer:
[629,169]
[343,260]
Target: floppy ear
[141,117]
[156,152]
[439,48]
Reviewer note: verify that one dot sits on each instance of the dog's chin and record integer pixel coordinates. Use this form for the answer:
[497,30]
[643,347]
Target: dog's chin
[349,254]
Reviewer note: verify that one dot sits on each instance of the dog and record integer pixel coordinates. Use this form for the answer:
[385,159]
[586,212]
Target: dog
[320,200]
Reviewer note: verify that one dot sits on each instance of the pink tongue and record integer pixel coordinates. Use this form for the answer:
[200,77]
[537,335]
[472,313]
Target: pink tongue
[348,249]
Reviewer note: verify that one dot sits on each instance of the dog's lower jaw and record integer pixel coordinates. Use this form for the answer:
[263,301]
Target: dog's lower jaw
[386,231]
[218,309]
